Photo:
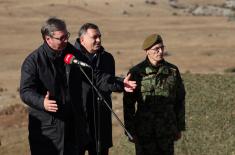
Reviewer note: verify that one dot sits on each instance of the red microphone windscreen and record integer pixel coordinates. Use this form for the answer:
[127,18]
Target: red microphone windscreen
[68,59]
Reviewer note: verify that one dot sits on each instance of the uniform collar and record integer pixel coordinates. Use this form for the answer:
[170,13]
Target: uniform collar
[160,68]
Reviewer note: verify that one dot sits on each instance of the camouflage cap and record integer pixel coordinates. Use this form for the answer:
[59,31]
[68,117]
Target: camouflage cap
[151,40]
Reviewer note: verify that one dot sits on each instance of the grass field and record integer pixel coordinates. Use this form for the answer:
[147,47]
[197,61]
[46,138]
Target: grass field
[210,117]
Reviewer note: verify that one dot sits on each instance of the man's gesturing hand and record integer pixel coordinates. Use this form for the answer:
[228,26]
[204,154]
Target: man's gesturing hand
[50,105]
[129,85]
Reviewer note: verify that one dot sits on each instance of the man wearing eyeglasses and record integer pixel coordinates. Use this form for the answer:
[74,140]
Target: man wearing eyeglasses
[43,87]
[160,100]
[47,87]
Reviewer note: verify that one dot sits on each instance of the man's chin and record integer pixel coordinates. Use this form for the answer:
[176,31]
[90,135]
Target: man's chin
[62,48]
[159,59]
[96,48]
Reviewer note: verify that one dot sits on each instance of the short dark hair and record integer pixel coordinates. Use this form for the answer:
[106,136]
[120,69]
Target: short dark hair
[51,25]
[85,27]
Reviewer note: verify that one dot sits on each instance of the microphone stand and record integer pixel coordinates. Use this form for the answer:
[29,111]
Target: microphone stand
[101,99]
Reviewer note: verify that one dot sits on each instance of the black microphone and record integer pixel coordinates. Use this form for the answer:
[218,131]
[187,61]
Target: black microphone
[70,59]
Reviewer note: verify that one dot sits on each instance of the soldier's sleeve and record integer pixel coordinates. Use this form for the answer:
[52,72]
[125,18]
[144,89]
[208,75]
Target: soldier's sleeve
[180,103]
[129,101]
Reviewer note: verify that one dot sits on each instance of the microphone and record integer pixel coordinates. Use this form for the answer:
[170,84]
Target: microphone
[70,59]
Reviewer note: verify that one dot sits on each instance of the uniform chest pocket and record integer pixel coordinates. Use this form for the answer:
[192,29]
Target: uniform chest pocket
[147,92]
[165,86]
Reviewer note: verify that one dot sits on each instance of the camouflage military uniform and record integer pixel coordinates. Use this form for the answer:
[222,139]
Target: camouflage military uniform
[160,110]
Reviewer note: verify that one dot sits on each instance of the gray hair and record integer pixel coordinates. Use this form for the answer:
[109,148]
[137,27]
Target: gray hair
[51,25]
[85,27]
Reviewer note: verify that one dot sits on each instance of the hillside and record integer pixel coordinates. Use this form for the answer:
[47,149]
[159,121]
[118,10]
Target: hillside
[197,44]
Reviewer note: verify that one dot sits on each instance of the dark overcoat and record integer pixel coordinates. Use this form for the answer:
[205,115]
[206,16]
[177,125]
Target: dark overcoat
[44,70]
[103,65]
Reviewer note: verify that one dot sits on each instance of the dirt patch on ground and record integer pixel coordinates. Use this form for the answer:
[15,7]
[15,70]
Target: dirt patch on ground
[15,115]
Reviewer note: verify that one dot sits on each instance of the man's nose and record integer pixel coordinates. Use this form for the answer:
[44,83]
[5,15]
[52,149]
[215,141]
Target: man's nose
[98,39]
[160,50]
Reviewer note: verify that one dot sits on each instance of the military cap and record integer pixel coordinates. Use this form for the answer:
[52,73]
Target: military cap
[151,40]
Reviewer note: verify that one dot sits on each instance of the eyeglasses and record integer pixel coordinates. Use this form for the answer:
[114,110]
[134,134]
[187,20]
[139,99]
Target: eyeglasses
[157,48]
[62,38]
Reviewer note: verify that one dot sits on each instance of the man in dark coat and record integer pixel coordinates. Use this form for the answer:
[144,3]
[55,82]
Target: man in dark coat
[89,44]
[46,88]
[43,88]
[154,113]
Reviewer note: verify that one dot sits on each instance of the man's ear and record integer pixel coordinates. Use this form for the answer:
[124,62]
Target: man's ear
[147,52]
[46,38]
[81,39]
